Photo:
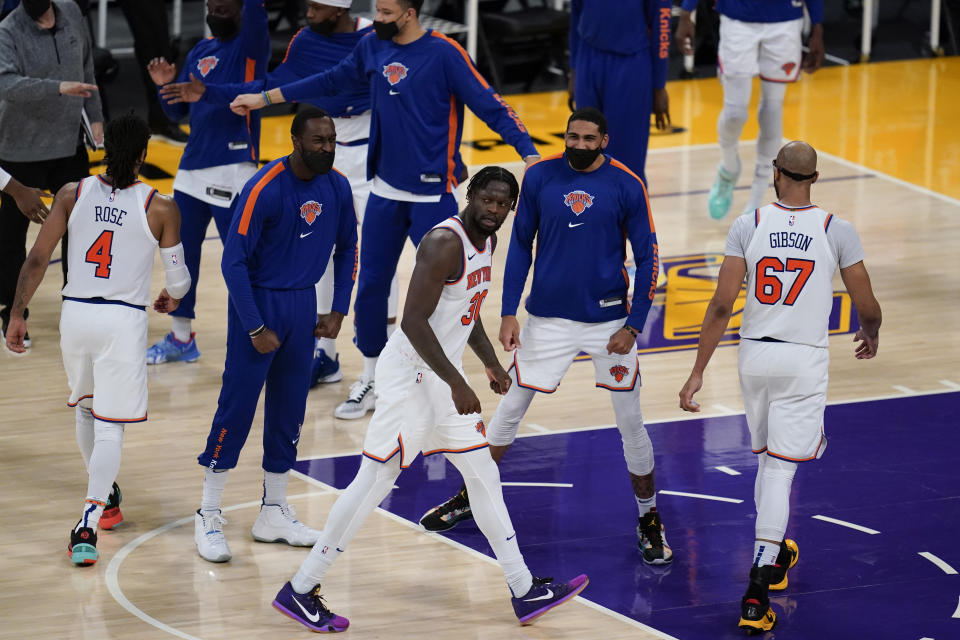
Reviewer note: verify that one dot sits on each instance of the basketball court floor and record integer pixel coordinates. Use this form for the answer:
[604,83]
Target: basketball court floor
[875,519]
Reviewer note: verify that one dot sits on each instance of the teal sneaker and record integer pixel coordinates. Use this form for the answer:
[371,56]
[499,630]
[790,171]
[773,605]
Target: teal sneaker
[721,193]
[172,350]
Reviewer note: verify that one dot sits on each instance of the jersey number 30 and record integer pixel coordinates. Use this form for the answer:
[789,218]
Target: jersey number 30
[99,254]
[769,288]
[474,309]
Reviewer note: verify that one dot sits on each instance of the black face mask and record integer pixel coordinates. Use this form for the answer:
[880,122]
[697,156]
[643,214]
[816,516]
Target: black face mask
[35,8]
[318,161]
[324,28]
[580,159]
[222,28]
[386,30]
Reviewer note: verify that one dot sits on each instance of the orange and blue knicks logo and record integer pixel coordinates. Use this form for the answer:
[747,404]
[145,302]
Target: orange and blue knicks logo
[789,67]
[619,372]
[578,201]
[207,64]
[310,210]
[395,72]
[481,428]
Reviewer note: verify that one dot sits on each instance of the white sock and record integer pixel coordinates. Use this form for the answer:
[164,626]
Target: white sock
[774,510]
[329,347]
[181,328]
[275,487]
[85,434]
[103,468]
[369,368]
[645,505]
[764,553]
[92,510]
[736,101]
[482,477]
[213,485]
[368,489]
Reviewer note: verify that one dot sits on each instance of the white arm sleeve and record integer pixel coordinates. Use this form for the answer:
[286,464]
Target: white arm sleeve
[178,278]
[4,179]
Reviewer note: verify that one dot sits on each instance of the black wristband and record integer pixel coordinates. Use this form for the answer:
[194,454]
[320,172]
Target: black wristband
[256,332]
[631,330]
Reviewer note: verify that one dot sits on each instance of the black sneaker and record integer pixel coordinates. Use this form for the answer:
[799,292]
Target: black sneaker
[447,515]
[756,615]
[651,539]
[111,513]
[83,546]
[788,556]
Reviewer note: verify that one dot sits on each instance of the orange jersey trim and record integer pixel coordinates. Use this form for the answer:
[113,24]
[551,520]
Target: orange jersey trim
[826,223]
[248,76]
[633,383]
[76,196]
[79,400]
[462,52]
[452,124]
[515,367]
[464,450]
[254,194]
[290,44]
[146,207]
[646,198]
[119,420]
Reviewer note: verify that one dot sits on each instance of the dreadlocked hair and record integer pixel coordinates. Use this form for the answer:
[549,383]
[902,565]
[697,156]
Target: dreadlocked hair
[124,138]
[494,174]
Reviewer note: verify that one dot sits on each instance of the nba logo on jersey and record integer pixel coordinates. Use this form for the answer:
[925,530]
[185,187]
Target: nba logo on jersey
[206,65]
[310,210]
[578,201]
[419,377]
[792,220]
[395,72]
[113,196]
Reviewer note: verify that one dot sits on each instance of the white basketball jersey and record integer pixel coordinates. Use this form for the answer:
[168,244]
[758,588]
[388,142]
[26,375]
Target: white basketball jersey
[790,267]
[111,247]
[459,305]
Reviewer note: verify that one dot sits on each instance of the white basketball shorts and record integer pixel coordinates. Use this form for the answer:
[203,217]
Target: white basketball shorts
[351,161]
[784,388]
[104,348]
[415,412]
[549,345]
[771,50]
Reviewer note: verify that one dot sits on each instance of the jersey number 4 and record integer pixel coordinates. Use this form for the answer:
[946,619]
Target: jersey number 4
[769,288]
[99,254]
[474,310]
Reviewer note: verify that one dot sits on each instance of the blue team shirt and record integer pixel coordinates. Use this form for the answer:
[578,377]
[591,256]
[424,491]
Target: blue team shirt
[624,27]
[282,234]
[581,222]
[765,10]
[417,92]
[217,135]
[309,53]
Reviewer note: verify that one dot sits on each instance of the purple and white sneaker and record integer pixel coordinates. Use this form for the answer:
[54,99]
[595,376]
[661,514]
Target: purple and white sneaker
[545,594]
[308,609]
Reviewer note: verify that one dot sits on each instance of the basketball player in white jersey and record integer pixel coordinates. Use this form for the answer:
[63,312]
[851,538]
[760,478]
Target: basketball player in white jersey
[425,404]
[115,223]
[788,251]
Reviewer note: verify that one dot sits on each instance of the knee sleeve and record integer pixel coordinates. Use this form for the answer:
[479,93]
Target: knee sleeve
[773,512]
[637,448]
[770,117]
[506,419]
[85,433]
[736,100]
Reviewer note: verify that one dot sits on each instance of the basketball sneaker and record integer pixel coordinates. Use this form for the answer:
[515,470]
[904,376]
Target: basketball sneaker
[83,546]
[756,615]
[111,513]
[325,370]
[788,556]
[172,350]
[449,514]
[309,610]
[278,523]
[721,193]
[360,400]
[545,594]
[208,534]
[652,540]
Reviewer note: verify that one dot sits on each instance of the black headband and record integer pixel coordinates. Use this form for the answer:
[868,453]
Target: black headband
[799,177]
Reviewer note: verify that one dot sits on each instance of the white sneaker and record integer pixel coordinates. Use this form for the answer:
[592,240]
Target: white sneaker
[278,523]
[208,534]
[360,400]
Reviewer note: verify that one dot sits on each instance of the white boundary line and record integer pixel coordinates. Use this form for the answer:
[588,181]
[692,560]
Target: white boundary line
[950,384]
[946,568]
[844,523]
[562,485]
[903,389]
[956,614]
[701,496]
[728,470]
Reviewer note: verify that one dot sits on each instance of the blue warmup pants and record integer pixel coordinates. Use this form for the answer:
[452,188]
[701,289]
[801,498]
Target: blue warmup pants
[622,88]
[292,314]
[386,225]
[194,218]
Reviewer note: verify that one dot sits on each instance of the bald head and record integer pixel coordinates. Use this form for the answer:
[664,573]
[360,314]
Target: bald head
[797,158]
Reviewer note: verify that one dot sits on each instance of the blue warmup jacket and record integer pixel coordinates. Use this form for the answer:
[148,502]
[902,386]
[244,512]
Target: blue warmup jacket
[581,222]
[217,135]
[417,94]
[282,234]
[309,53]
[764,10]
[624,27]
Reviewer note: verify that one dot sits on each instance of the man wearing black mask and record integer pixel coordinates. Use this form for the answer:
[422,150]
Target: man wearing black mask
[294,213]
[222,151]
[580,207]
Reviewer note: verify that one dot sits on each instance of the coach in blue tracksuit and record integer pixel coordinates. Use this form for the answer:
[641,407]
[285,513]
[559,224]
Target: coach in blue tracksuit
[419,82]
[223,149]
[619,51]
[289,218]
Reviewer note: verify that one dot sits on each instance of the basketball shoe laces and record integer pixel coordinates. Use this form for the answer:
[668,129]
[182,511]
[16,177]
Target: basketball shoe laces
[457,503]
[357,390]
[317,601]
[653,532]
